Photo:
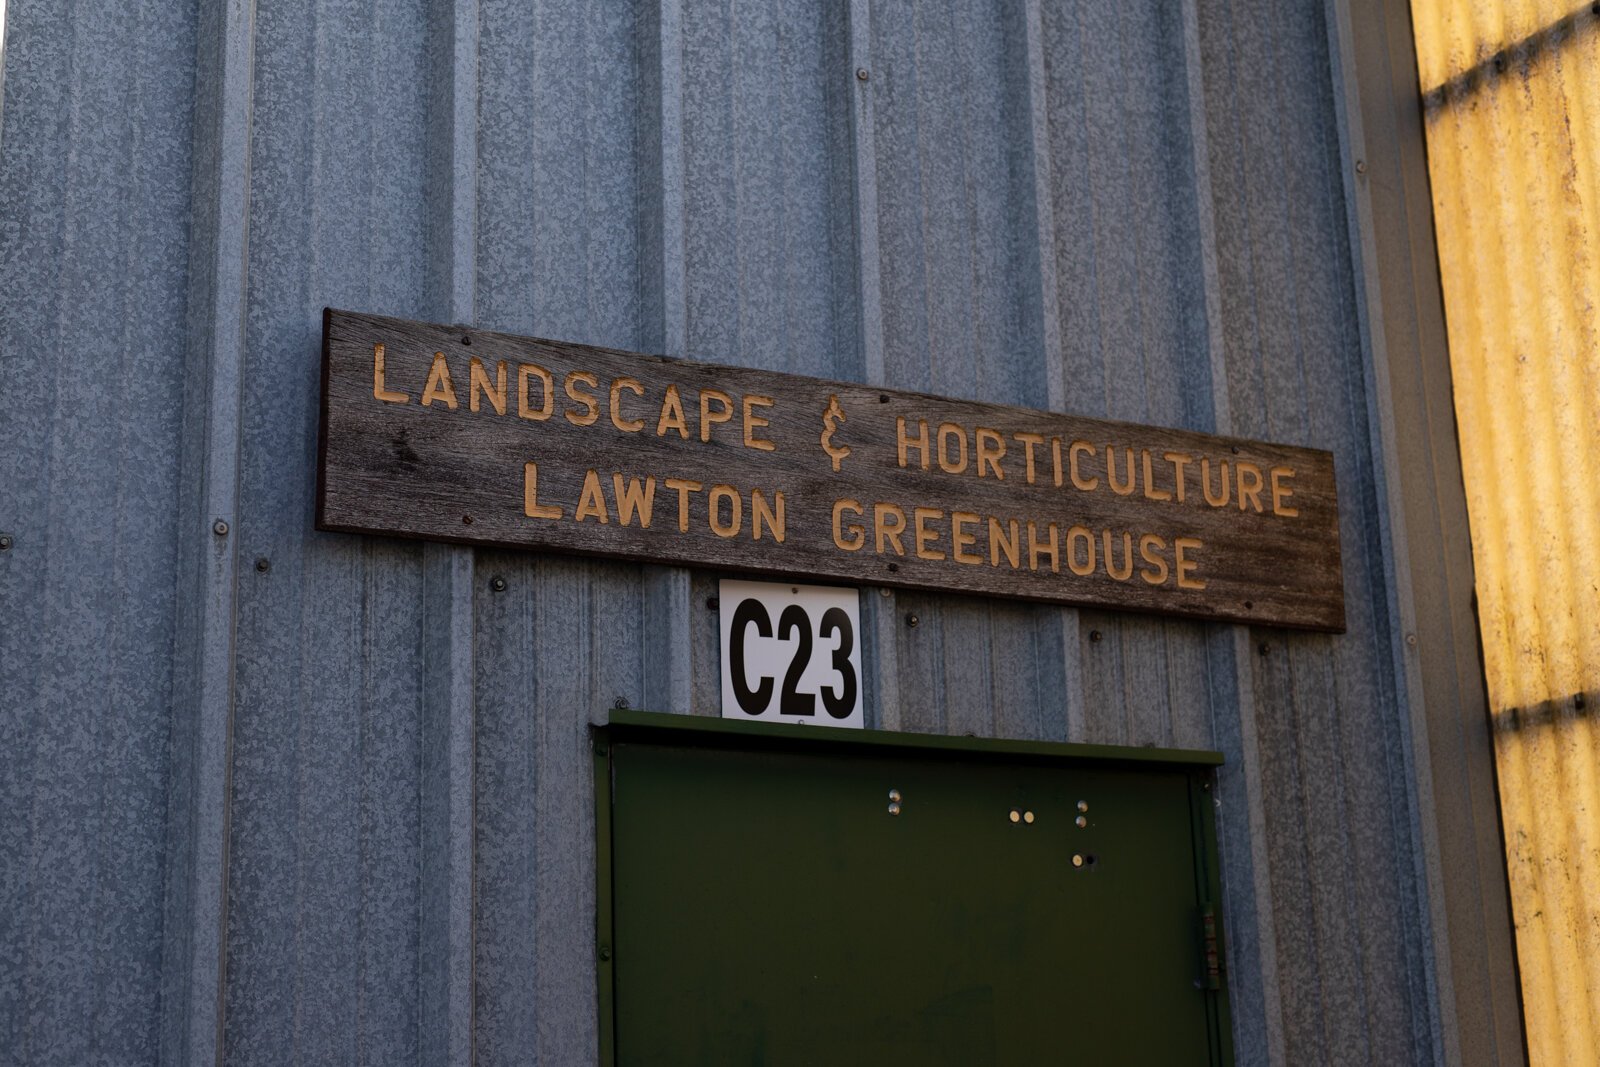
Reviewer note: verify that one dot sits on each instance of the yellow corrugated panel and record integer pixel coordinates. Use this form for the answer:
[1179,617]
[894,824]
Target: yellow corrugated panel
[1512,97]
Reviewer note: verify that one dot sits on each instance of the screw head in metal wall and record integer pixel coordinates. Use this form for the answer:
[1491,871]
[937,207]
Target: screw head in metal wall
[497,584]
[861,74]
[1096,636]
[1361,166]
[220,528]
[263,564]
[5,542]
[912,620]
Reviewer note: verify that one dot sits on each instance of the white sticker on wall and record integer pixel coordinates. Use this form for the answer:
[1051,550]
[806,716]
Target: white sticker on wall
[791,653]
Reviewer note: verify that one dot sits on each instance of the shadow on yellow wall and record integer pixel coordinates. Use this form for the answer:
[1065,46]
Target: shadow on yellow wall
[1511,92]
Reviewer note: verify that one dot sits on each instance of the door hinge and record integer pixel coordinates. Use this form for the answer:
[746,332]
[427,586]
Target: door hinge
[1208,934]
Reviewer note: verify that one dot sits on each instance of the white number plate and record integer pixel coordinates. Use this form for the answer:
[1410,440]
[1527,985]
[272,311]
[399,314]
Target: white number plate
[791,653]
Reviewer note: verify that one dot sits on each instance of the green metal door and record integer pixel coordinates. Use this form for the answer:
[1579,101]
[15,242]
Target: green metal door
[814,899]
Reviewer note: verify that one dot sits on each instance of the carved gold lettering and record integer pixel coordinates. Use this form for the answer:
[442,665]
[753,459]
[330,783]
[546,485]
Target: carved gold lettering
[1226,491]
[1029,440]
[714,500]
[1179,460]
[525,371]
[684,488]
[1184,565]
[1036,548]
[1121,489]
[672,415]
[1249,472]
[920,442]
[849,537]
[1156,572]
[960,539]
[617,386]
[634,499]
[1075,536]
[379,392]
[478,384]
[707,418]
[1126,571]
[948,430]
[439,386]
[991,448]
[883,530]
[1007,539]
[761,514]
[922,535]
[1150,490]
[1281,492]
[591,501]
[753,422]
[1076,449]
[591,404]
[530,495]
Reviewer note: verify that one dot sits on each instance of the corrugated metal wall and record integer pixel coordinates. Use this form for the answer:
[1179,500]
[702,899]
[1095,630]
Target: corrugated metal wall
[1124,209]
[1512,89]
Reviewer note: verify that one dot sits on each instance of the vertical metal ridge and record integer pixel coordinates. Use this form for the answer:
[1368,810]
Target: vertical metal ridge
[1346,686]
[568,246]
[1049,316]
[563,899]
[508,849]
[1346,68]
[881,613]
[669,652]
[94,177]
[31,996]
[195,950]
[1254,840]
[448,784]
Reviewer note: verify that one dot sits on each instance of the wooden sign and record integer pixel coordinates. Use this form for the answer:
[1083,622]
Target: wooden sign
[457,435]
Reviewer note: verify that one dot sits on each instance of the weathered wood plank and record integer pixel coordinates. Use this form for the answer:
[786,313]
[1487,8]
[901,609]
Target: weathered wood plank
[452,434]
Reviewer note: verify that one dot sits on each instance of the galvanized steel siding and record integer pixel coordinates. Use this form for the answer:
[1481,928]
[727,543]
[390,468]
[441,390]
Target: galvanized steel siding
[1120,209]
[324,850]
[94,167]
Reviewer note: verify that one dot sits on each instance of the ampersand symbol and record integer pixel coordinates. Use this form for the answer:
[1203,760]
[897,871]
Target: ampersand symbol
[830,422]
